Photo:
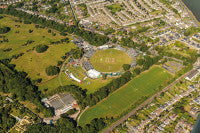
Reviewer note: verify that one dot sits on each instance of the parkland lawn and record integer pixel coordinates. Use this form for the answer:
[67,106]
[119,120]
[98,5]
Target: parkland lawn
[110,60]
[122,99]
[32,62]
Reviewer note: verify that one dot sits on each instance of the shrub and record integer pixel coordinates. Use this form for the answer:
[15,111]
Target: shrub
[30,31]
[59,63]
[41,48]
[52,70]
[4,30]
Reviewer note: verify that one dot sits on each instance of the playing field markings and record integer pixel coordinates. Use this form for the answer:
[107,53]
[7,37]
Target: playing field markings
[113,59]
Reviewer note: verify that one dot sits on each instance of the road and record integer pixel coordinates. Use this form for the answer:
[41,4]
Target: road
[72,10]
[124,118]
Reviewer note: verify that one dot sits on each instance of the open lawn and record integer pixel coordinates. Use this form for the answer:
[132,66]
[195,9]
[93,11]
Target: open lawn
[115,8]
[109,60]
[122,99]
[32,62]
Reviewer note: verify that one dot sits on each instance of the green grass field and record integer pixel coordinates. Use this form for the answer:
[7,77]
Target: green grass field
[115,8]
[109,60]
[32,62]
[124,98]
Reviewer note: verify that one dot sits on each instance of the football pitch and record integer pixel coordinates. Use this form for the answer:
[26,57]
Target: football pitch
[109,60]
[122,99]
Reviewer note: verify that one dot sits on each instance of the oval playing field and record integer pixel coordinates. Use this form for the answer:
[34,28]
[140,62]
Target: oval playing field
[109,60]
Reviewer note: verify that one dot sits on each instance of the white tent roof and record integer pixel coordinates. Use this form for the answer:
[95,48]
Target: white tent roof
[92,73]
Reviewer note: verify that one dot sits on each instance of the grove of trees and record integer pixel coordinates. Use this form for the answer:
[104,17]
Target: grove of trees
[6,120]
[67,125]
[52,70]
[17,83]
[41,48]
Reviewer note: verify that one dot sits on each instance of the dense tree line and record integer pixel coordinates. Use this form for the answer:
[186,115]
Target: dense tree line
[6,120]
[67,125]
[148,61]
[93,98]
[92,38]
[127,42]
[17,83]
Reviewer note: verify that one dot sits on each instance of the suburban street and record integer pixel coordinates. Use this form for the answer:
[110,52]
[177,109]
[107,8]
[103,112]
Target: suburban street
[124,118]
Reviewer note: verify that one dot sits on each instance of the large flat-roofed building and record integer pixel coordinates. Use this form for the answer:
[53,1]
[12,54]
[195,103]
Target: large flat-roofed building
[61,103]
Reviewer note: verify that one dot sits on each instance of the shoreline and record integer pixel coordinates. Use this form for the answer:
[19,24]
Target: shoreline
[192,16]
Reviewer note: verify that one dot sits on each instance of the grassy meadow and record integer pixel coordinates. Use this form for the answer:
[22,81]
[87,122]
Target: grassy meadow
[32,62]
[122,99]
[109,60]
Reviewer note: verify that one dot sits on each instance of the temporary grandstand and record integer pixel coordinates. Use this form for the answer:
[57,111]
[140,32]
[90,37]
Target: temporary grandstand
[118,47]
[89,53]
[61,103]
[132,53]
[87,65]
[71,76]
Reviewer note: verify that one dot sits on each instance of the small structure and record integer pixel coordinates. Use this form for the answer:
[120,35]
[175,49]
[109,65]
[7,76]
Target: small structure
[61,103]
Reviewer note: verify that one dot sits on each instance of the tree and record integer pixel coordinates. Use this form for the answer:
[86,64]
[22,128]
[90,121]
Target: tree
[104,76]
[126,67]
[59,63]
[4,30]
[52,70]
[77,53]
[41,48]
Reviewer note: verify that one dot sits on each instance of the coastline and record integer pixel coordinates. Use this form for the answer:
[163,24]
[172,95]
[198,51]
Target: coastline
[192,16]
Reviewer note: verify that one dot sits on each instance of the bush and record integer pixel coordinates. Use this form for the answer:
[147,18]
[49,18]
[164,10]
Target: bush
[126,67]
[41,48]
[27,22]
[59,63]
[4,30]
[52,70]
[63,34]
[30,31]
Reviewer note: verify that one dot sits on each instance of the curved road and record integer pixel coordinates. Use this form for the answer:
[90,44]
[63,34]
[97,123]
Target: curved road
[124,118]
